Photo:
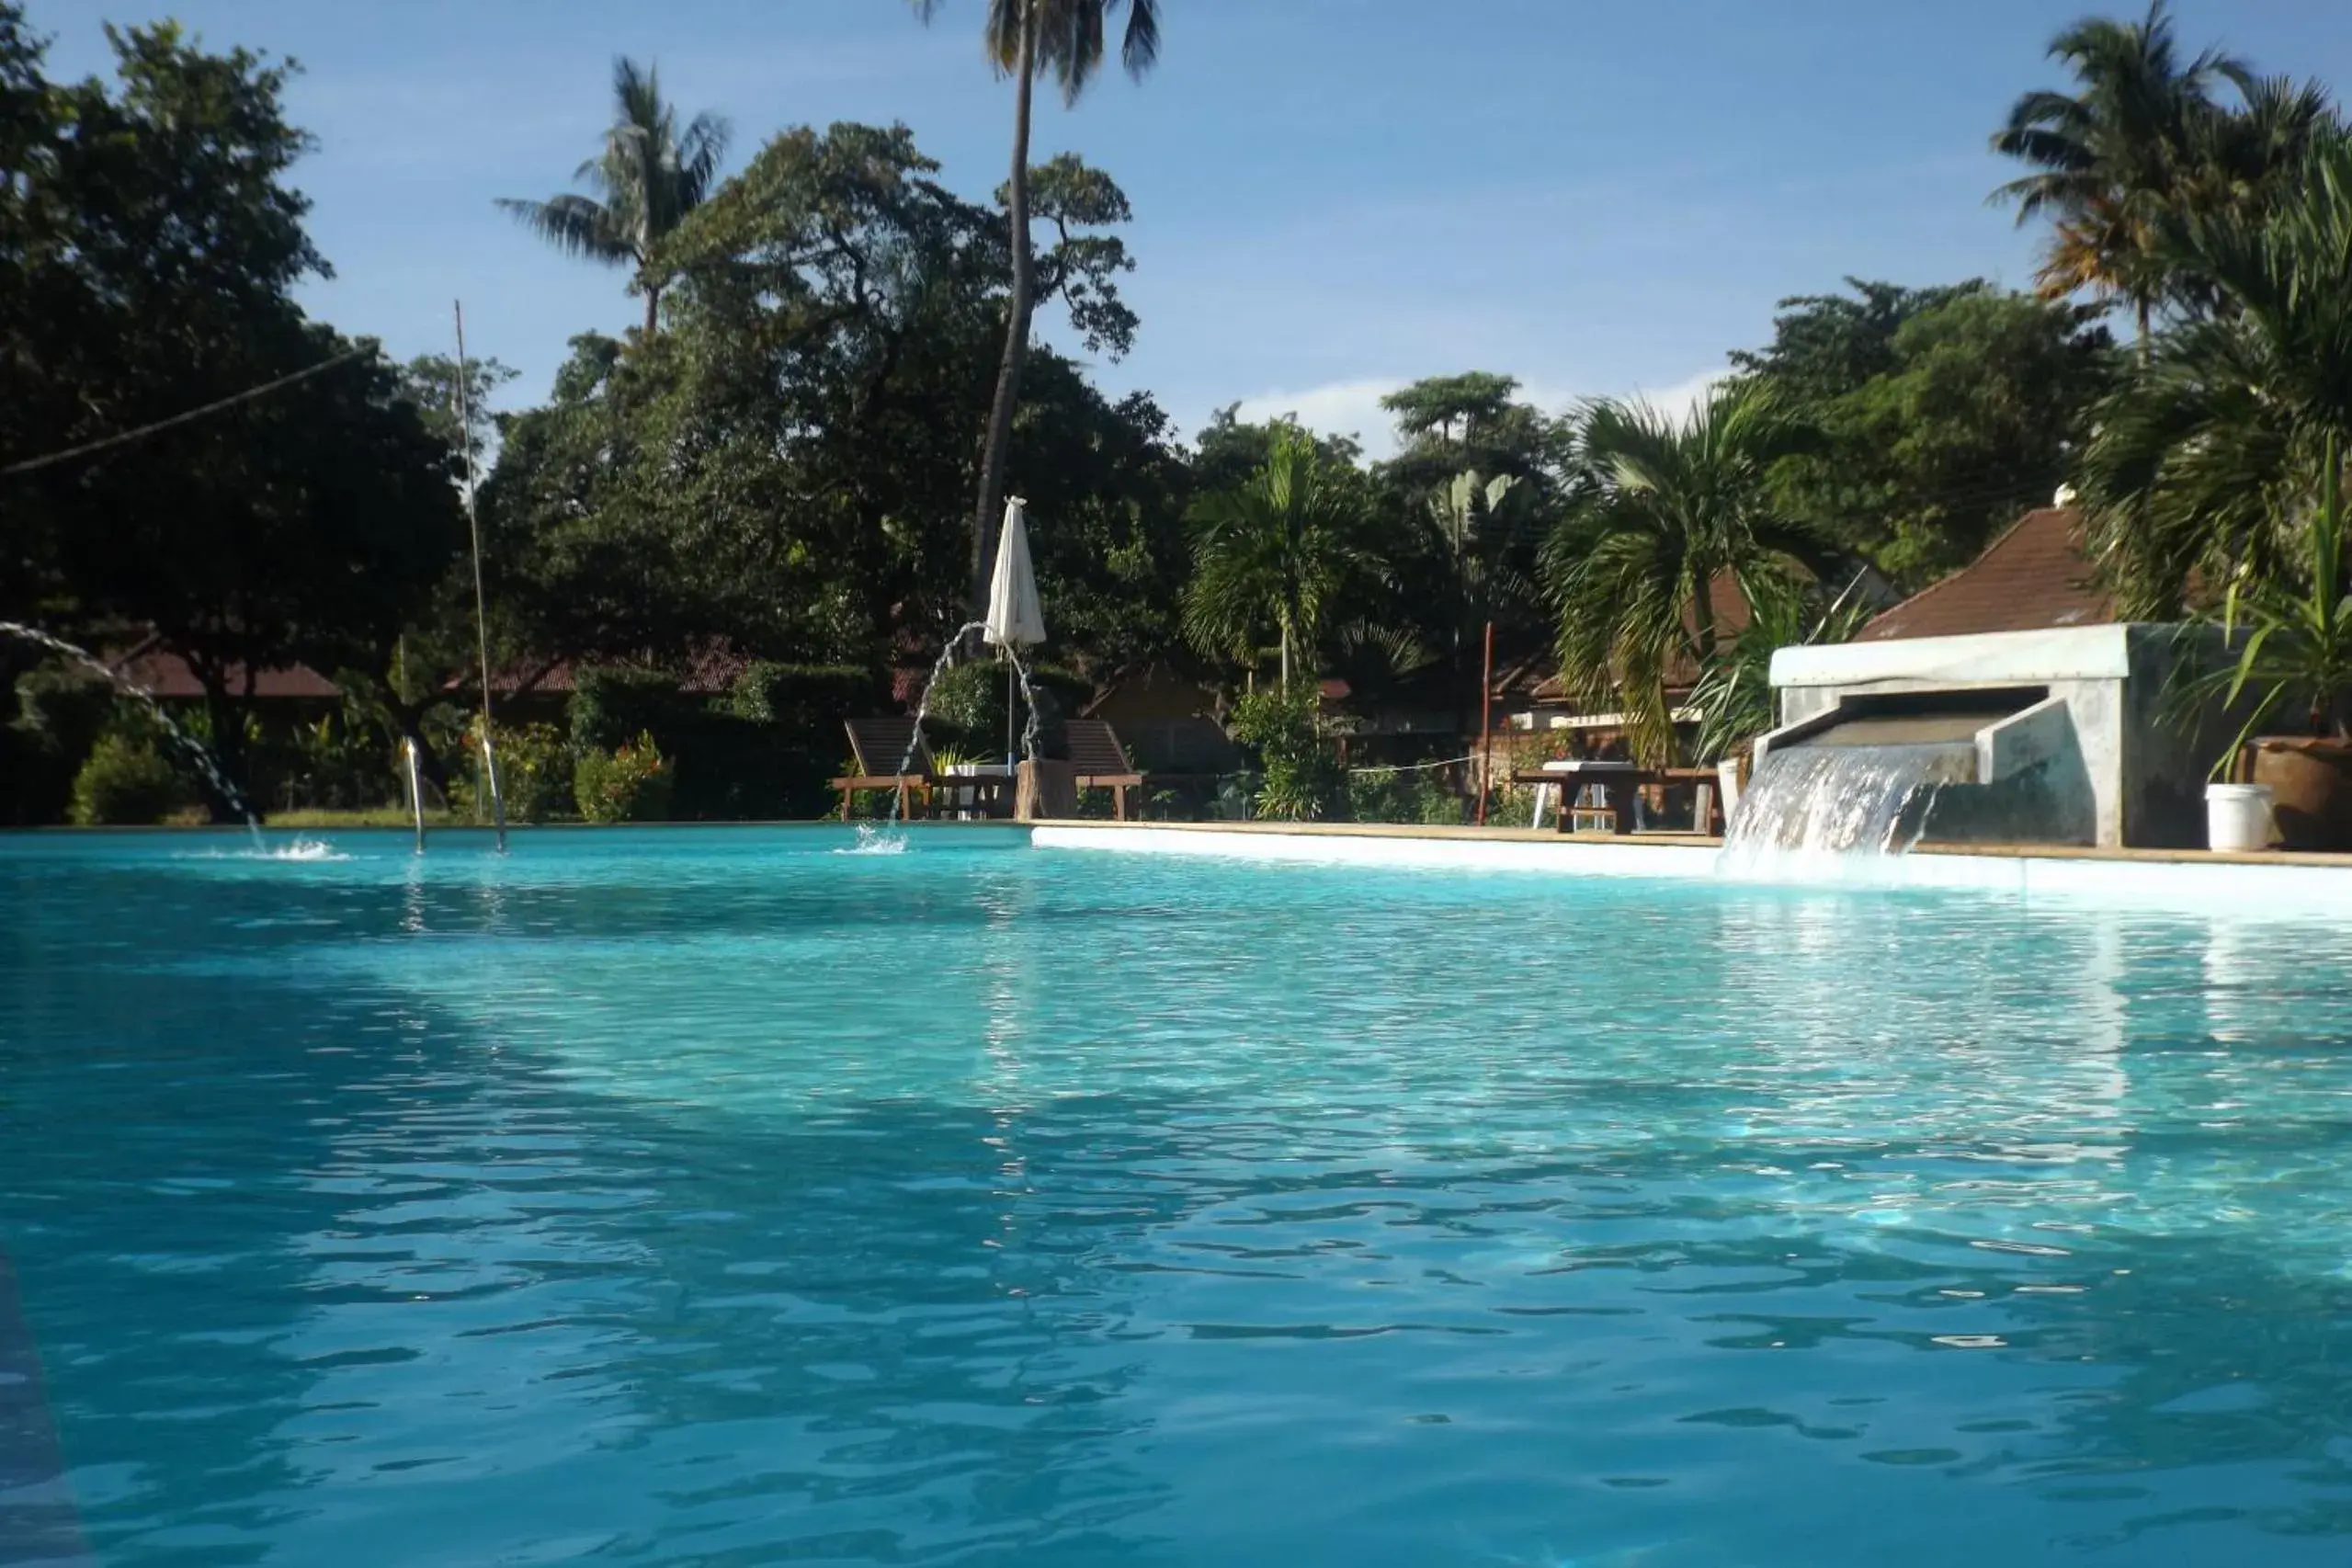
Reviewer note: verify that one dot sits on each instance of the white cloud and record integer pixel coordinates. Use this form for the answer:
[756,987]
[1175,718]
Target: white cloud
[1680,398]
[1342,408]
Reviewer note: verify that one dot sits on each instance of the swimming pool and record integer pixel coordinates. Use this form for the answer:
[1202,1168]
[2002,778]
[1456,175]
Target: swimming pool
[713,1197]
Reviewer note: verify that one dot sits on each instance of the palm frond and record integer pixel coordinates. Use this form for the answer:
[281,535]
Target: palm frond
[574,225]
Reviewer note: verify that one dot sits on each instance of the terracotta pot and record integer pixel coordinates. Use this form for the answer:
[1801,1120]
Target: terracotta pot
[2310,785]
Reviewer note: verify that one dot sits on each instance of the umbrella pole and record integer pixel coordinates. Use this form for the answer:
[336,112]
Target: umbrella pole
[1011,757]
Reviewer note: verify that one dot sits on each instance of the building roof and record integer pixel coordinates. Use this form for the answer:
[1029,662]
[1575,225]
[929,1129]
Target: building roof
[2030,579]
[168,678]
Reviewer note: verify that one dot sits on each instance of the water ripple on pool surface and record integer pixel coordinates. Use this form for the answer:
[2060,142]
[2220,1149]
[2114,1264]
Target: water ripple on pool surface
[716,1198]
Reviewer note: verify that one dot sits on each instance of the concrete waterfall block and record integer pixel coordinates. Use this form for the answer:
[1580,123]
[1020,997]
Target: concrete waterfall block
[1045,790]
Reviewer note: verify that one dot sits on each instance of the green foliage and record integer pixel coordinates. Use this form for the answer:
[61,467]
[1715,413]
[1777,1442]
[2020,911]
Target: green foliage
[333,763]
[125,783]
[1734,693]
[2290,637]
[150,249]
[1635,565]
[610,704]
[650,177]
[967,703]
[1401,795]
[535,766]
[2207,463]
[630,783]
[802,696]
[58,713]
[2143,141]
[1944,414]
[1300,777]
[1273,558]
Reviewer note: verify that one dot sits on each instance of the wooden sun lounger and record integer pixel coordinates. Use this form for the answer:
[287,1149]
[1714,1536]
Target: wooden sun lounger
[879,746]
[1101,761]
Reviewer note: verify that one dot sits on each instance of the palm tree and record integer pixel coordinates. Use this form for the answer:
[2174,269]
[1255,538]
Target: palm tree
[1672,507]
[648,177]
[1023,37]
[2115,155]
[2206,468]
[1275,555]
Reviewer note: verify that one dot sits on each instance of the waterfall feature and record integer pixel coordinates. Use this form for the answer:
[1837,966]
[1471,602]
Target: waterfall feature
[1843,799]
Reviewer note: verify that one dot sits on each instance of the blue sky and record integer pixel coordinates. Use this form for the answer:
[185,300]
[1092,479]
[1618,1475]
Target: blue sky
[1331,195]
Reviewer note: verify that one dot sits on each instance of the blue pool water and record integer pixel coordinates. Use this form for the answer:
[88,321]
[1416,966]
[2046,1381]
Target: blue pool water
[715,1197]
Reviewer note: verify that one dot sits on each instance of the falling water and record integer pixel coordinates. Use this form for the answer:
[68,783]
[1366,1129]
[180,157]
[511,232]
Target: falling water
[187,743]
[1841,801]
[1030,733]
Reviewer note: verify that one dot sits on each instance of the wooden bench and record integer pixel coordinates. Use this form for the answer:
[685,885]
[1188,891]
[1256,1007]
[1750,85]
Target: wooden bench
[891,754]
[1101,761]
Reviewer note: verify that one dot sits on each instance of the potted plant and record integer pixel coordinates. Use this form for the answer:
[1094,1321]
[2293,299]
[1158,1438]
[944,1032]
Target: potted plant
[2290,653]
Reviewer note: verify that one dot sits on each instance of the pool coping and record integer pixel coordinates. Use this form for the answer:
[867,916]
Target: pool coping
[2277,882]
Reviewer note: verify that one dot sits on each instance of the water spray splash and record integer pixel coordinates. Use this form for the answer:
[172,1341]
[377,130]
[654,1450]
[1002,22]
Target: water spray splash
[872,840]
[1031,733]
[186,743]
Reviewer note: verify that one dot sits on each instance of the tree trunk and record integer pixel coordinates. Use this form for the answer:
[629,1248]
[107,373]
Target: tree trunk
[997,442]
[1285,659]
[652,310]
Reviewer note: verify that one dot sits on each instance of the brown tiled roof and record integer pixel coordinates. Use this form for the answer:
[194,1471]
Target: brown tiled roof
[167,677]
[2030,579]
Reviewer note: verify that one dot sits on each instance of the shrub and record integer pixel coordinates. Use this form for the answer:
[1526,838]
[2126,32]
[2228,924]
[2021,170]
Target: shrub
[966,706]
[1397,795]
[125,781]
[802,696]
[534,773]
[630,783]
[335,764]
[611,705]
[1304,781]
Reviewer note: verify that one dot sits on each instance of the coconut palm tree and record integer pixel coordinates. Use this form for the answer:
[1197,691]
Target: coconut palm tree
[649,177]
[1023,37]
[2115,155]
[1277,555]
[2205,468]
[1672,507]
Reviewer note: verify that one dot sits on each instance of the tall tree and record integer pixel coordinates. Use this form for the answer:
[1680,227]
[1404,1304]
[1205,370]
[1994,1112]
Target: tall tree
[649,177]
[2207,467]
[1944,412]
[1633,566]
[154,245]
[2140,137]
[1277,556]
[1023,37]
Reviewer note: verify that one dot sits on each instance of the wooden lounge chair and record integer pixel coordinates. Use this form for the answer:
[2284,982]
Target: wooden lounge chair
[880,747]
[1101,761]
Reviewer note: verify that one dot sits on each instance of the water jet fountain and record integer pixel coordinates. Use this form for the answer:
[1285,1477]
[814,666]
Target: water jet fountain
[187,743]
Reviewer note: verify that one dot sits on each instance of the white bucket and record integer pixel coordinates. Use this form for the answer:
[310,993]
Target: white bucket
[2237,817]
[1727,781]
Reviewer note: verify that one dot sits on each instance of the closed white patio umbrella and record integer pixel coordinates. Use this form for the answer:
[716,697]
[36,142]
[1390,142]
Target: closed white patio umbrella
[1013,620]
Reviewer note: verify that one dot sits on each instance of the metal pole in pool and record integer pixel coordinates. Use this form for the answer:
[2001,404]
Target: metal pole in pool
[481,627]
[415,795]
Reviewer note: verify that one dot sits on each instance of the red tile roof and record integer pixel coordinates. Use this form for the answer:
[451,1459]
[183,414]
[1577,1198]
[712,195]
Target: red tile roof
[168,678]
[2030,579]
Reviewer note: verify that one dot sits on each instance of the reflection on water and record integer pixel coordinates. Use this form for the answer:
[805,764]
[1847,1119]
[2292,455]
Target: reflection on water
[736,1200]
